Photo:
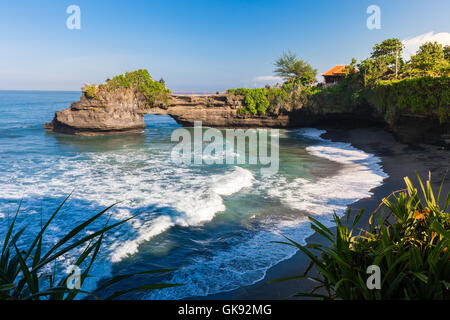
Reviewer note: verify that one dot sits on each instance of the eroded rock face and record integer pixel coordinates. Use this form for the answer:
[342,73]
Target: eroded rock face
[219,111]
[122,111]
[118,112]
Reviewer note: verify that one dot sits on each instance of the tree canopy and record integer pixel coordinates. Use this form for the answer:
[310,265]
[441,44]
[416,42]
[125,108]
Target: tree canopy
[385,62]
[388,48]
[429,59]
[291,68]
[389,52]
[447,53]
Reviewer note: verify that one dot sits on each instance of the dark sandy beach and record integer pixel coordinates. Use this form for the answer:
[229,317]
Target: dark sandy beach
[398,160]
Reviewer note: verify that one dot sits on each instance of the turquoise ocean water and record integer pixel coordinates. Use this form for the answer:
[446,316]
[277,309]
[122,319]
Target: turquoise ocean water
[212,223]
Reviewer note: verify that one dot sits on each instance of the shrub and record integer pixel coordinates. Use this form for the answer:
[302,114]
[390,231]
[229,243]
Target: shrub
[428,96]
[343,96]
[255,100]
[153,92]
[289,96]
[91,92]
[411,251]
[424,95]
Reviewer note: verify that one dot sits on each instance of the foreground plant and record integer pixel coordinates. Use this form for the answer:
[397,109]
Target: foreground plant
[24,273]
[409,245]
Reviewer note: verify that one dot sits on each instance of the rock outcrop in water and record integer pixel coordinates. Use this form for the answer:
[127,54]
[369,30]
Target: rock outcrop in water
[117,112]
[122,111]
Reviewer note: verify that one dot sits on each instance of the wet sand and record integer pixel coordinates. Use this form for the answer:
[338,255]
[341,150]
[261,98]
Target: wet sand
[398,160]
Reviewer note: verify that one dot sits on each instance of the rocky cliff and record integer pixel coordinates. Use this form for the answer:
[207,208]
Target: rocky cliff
[118,112]
[218,111]
[122,111]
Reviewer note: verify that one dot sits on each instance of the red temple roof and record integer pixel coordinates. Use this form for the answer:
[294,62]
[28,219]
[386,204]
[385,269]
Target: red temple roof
[338,70]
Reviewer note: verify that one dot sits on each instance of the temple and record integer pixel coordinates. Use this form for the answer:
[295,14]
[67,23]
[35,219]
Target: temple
[335,74]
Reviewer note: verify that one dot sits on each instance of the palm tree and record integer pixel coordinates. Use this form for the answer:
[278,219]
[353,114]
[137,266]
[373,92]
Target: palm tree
[291,68]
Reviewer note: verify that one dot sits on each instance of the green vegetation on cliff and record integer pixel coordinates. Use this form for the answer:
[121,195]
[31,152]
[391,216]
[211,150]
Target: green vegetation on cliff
[153,92]
[428,96]
[425,96]
[91,92]
[285,98]
[384,82]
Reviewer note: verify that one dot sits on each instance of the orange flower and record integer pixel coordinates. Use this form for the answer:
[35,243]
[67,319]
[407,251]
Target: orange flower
[419,215]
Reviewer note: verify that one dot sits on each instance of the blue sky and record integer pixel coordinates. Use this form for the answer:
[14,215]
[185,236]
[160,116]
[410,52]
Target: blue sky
[195,45]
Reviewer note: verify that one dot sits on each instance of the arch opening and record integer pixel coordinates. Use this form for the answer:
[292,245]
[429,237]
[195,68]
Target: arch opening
[160,120]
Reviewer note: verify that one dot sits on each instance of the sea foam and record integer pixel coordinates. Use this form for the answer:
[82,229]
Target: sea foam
[194,208]
[183,196]
[358,174]
[248,262]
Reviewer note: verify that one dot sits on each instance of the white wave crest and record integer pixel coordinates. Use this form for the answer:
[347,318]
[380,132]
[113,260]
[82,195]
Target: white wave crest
[248,262]
[195,208]
[359,174]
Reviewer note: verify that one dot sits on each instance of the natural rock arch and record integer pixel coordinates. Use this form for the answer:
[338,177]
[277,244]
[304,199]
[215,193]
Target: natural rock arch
[123,112]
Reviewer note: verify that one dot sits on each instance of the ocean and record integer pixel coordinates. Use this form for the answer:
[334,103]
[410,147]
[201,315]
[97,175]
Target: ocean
[213,224]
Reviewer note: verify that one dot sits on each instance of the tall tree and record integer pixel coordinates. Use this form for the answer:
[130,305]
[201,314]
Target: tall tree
[429,59]
[371,70]
[447,53]
[291,68]
[390,50]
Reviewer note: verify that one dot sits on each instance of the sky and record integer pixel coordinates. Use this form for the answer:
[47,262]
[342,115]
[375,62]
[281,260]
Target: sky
[198,45]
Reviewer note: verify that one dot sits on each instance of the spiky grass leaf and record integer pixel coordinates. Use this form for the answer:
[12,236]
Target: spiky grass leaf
[147,287]
[119,278]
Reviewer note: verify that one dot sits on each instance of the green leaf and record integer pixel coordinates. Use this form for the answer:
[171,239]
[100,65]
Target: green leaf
[58,290]
[41,232]
[75,231]
[7,286]
[126,276]
[143,288]
[287,279]
[312,295]
[8,234]
[80,242]
[26,272]
[420,276]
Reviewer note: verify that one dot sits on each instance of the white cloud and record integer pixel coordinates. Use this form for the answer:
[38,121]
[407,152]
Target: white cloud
[412,44]
[267,79]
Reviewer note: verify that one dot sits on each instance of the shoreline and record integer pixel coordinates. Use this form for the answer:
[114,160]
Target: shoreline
[397,160]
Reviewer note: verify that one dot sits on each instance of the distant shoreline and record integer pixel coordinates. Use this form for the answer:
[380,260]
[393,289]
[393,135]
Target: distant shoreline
[59,91]
[176,92]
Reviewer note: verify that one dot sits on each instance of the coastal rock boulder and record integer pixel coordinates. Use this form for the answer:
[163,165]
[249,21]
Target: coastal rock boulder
[113,113]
